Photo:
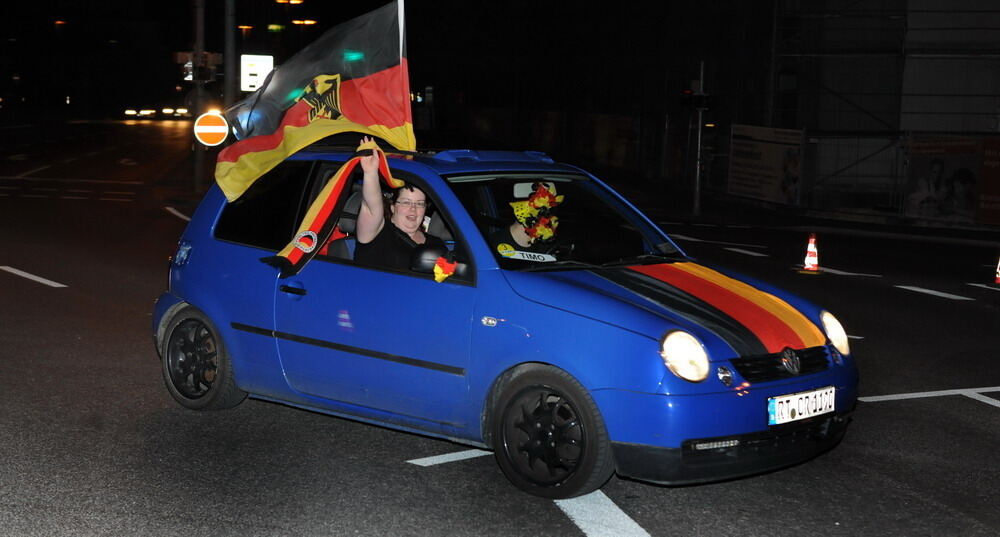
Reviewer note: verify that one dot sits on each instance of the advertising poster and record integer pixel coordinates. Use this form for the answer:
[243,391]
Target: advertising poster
[944,180]
[988,209]
[765,163]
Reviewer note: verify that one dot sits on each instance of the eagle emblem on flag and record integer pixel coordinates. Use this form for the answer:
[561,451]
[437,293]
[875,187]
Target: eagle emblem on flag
[323,97]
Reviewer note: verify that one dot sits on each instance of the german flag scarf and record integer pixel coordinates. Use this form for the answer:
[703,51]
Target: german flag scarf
[318,226]
[353,78]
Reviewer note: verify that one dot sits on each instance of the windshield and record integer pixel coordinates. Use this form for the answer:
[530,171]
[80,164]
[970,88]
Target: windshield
[540,221]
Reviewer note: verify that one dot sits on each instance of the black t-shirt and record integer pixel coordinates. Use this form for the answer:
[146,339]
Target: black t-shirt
[391,248]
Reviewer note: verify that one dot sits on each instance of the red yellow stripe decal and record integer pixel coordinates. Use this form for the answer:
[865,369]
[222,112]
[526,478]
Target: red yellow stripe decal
[776,323]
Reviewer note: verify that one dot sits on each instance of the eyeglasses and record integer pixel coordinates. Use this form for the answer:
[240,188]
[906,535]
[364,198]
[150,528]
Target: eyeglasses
[412,204]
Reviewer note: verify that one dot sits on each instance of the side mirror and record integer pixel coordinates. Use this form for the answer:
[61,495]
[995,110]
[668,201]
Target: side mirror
[425,257]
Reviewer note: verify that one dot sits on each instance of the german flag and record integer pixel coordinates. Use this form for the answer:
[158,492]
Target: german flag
[353,78]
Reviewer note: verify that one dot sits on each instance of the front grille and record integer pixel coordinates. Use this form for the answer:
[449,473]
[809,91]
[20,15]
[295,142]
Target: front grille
[765,367]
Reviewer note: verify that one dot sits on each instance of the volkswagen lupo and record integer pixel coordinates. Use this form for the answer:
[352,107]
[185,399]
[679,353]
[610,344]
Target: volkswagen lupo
[604,350]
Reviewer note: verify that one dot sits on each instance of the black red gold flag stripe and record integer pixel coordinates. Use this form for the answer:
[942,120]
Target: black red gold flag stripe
[354,78]
[774,322]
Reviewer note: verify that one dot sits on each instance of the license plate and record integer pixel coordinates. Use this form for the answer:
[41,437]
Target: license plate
[799,406]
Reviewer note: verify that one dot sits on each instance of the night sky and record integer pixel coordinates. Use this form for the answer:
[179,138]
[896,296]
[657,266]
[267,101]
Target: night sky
[536,54]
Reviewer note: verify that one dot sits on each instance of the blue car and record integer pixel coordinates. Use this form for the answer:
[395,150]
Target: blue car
[600,348]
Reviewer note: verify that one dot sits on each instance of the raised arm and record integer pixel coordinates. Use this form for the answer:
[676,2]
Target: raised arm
[371,215]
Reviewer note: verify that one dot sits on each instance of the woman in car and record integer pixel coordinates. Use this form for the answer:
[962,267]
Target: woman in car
[388,239]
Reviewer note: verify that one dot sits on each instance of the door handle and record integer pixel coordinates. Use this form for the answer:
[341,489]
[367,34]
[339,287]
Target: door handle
[293,290]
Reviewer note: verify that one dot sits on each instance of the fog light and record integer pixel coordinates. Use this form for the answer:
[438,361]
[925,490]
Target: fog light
[716,445]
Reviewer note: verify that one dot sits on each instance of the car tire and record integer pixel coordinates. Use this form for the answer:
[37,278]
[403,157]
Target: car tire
[196,367]
[548,435]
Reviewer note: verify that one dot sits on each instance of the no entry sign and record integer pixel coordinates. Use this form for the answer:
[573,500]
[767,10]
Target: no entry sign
[211,128]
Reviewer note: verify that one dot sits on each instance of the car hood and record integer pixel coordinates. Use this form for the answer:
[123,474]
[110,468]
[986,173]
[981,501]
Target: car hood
[653,299]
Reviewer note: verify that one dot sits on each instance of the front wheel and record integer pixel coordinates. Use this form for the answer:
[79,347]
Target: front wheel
[549,437]
[196,368]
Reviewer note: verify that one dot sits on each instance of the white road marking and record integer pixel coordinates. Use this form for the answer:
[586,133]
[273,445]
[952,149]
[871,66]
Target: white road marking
[178,214]
[33,196]
[114,193]
[934,293]
[29,172]
[855,337]
[19,156]
[114,199]
[921,395]
[693,239]
[32,277]
[450,457]
[685,237]
[71,159]
[706,225]
[127,162]
[73,198]
[598,516]
[846,273]
[106,181]
[984,286]
[982,398]
[595,514]
[746,252]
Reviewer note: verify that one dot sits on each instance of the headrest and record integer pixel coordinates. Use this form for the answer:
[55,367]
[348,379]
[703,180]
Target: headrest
[349,216]
[437,228]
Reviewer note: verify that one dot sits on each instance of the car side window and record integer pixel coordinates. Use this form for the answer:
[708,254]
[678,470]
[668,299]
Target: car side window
[342,246]
[268,214]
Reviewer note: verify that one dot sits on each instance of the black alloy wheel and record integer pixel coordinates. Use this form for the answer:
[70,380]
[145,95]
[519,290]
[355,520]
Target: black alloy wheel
[196,367]
[192,359]
[549,437]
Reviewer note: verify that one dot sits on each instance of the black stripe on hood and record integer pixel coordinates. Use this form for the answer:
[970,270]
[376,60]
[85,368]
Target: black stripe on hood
[739,337]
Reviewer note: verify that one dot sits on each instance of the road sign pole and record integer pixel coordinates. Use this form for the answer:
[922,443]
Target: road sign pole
[696,206]
[199,85]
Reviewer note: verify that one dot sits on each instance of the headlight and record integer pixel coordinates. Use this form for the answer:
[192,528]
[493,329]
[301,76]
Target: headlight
[835,331]
[684,356]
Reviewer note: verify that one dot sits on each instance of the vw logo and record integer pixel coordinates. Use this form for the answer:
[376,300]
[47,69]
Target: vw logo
[790,361]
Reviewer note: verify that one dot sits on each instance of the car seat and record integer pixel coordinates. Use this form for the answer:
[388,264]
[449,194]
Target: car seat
[343,247]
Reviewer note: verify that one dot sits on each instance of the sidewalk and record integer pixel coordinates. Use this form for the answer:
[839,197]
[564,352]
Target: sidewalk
[724,209]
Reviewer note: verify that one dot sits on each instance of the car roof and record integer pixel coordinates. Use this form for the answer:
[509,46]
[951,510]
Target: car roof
[453,161]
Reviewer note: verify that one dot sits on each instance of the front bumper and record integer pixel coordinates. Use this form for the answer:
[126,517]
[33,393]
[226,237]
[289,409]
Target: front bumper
[698,461]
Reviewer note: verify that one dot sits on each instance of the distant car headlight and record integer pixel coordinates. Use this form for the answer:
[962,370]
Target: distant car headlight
[684,356]
[130,112]
[835,331]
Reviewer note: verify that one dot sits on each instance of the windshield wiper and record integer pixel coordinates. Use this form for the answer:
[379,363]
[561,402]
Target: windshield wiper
[561,264]
[644,259]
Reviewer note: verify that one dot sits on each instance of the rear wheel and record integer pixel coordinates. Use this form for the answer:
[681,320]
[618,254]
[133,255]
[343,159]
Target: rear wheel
[549,437]
[196,368]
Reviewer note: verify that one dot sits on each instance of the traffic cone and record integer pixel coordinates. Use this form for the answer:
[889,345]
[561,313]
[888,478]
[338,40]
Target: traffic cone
[811,264]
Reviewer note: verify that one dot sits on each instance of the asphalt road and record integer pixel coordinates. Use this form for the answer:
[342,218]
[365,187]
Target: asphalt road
[91,443]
